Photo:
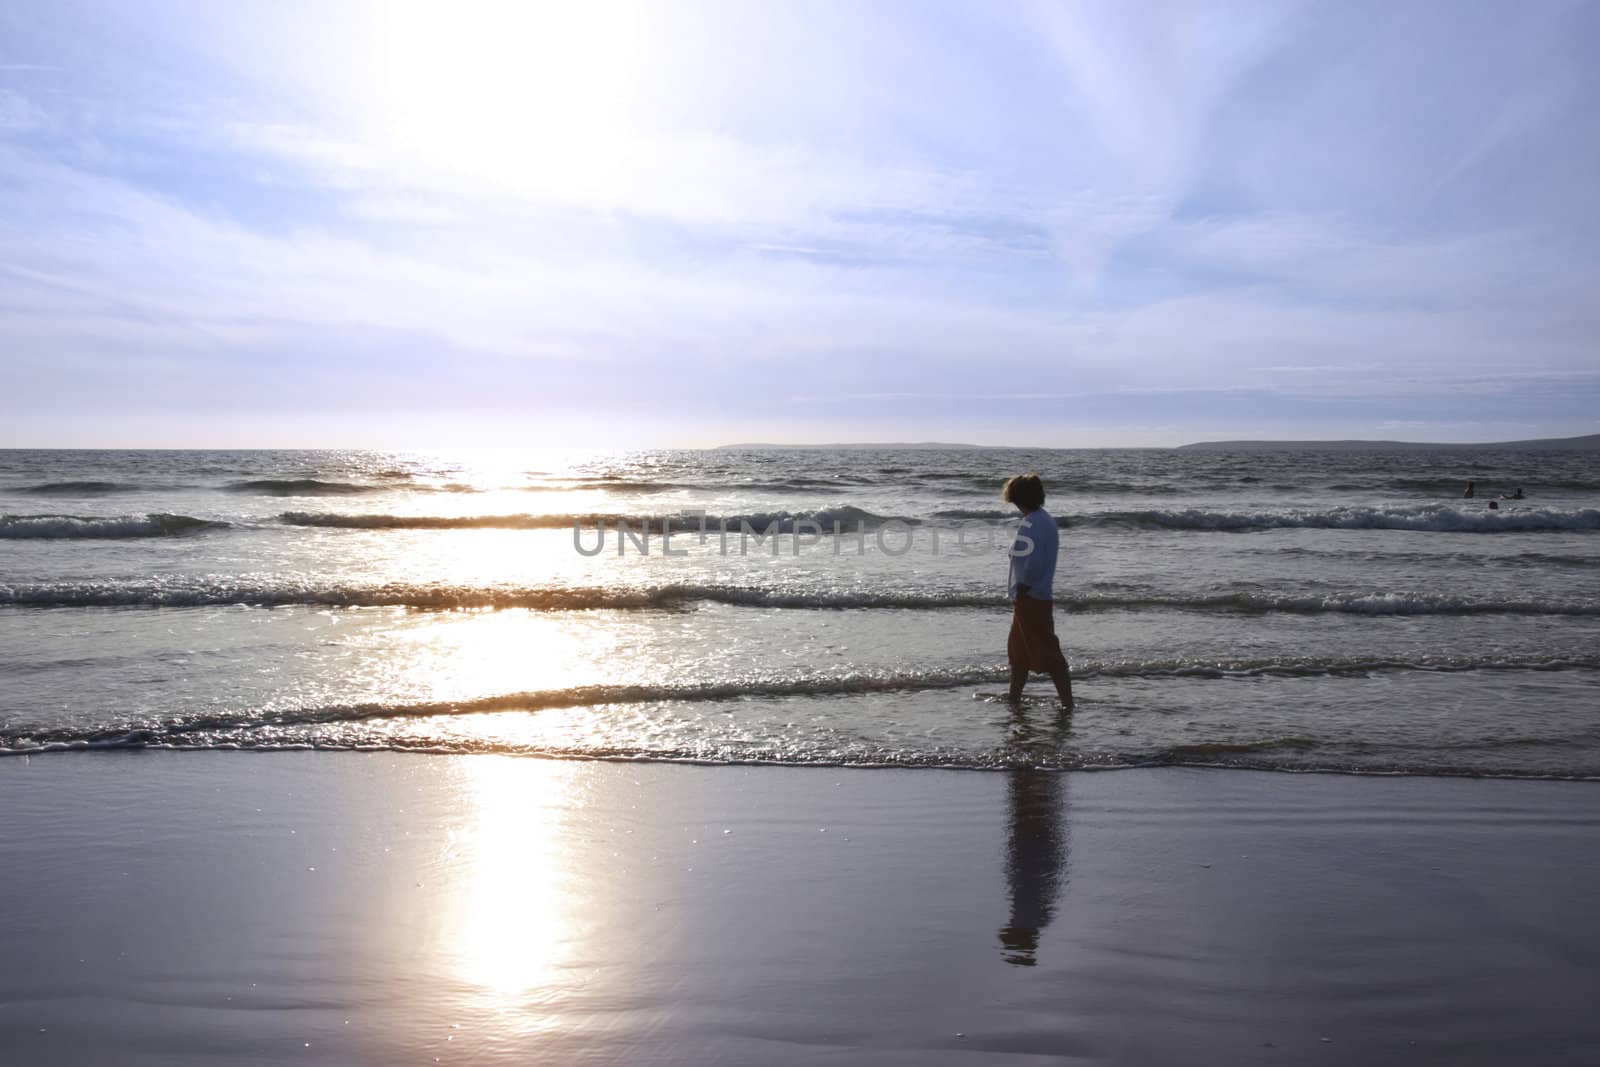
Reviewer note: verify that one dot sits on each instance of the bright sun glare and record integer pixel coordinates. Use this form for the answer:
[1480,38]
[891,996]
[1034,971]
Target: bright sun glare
[515,923]
[539,95]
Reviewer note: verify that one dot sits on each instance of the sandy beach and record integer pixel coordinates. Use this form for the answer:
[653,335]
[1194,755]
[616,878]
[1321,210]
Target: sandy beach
[168,907]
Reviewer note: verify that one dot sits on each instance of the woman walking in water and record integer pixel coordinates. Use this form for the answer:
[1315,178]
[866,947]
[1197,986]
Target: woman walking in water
[1032,644]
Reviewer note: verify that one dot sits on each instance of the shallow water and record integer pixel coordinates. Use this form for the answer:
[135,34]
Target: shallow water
[1282,610]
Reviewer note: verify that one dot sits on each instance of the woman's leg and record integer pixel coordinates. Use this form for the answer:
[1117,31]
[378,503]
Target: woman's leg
[1017,655]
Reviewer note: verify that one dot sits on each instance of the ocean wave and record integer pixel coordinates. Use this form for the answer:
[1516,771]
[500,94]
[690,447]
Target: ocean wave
[1204,749]
[48,527]
[1368,553]
[642,487]
[1431,518]
[724,485]
[614,485]
[1454,486]
[1312,666]
[225,592]
[984,514]
[846,518]
[211,592]
[240,728]
[302,487]
[1296,761]
[1392,603]
[80,488]
[540,700]
[992,480]
[790,485]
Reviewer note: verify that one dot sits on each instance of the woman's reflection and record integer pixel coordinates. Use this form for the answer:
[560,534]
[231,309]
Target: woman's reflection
[1036,859]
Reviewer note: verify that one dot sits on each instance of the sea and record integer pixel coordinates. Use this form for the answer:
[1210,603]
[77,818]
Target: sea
[1291,610]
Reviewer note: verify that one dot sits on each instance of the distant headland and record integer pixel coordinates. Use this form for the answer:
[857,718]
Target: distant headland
[1586,443]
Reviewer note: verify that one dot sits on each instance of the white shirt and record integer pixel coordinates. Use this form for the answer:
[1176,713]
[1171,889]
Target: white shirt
[1033,556]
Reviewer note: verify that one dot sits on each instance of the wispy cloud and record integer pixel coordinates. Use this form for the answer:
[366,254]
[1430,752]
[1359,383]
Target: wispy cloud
[1105,208]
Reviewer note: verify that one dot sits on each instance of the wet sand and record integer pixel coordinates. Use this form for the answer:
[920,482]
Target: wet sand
[353,908]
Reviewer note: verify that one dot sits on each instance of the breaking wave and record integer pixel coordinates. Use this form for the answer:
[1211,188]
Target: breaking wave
[1452,487]
[1434,518]
[990,482]
[302,487]
[1428,518]
[210,592]
[82,488]
[220,592]
[298,727]
[1527,560]
[985,514]
[27,527]
[846,518]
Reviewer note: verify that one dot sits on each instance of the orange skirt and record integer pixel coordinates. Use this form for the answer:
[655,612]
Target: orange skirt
[1032,644]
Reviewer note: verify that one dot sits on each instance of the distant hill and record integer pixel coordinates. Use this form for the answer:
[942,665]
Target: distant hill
[1587,443]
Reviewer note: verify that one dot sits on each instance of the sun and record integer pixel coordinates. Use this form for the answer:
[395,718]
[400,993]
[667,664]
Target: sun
[532,96]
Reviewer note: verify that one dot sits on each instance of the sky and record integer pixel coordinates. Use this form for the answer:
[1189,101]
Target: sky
[683,224]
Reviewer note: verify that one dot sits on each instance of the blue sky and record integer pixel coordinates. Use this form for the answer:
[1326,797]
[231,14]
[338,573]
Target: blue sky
[684,224]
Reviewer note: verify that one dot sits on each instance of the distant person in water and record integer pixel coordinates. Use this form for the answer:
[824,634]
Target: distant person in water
[1518,494]
[1472,491]
[1032,644]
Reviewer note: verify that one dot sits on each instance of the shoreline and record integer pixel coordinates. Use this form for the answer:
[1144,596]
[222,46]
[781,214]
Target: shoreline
[116,748]
[497,909]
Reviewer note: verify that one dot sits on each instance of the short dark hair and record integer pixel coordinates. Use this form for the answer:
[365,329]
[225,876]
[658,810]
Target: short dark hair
[1025,490]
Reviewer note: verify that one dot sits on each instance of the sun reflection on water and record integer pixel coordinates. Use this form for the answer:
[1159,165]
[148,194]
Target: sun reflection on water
[487,652]
[517,918]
